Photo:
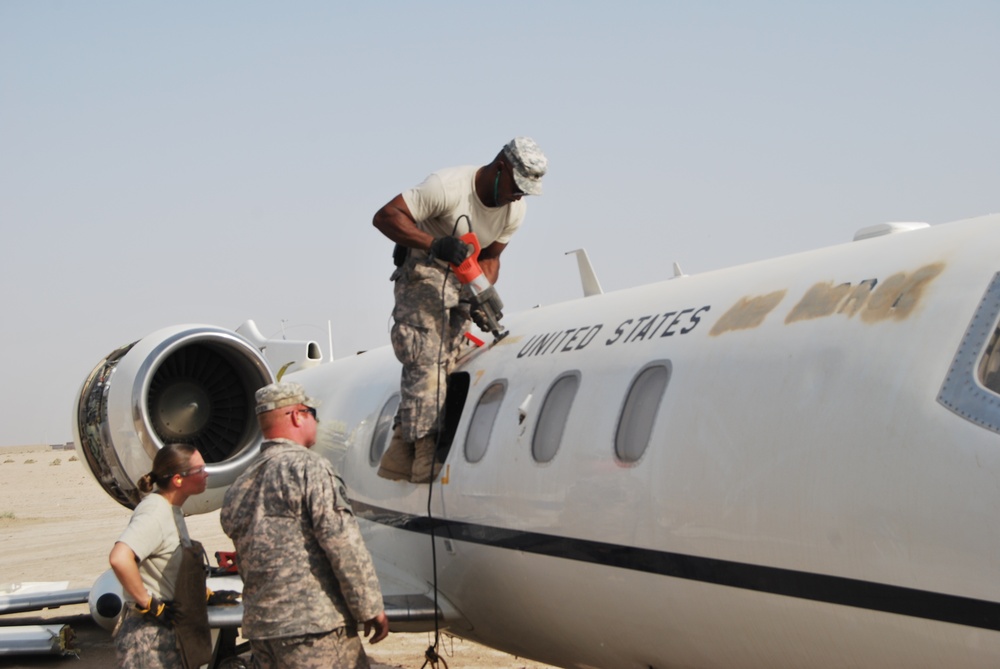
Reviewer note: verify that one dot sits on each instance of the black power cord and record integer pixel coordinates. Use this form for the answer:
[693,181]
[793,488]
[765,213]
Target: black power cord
[431,655]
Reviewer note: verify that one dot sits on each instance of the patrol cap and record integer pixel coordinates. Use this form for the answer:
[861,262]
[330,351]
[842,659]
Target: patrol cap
[529,164]
[287,393]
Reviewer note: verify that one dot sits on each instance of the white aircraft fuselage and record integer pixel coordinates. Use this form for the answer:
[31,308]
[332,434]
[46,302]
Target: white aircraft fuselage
[807,474]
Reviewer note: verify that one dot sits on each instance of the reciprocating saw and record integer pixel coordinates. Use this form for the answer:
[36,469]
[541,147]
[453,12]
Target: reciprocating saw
[486,306]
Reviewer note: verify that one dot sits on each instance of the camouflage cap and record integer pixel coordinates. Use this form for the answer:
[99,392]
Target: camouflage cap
[287,393]
[529,164]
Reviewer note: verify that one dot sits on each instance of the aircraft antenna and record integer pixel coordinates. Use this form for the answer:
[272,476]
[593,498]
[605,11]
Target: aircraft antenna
[588,278]
[329,337]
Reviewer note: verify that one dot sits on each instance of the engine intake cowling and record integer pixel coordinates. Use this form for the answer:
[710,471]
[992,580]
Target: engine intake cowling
[190,383]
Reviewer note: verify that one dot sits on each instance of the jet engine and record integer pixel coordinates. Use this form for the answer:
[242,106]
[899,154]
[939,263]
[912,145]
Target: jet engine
[190,383]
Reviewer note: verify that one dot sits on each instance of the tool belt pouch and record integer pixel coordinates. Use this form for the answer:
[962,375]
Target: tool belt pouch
[194,638]
[399,253]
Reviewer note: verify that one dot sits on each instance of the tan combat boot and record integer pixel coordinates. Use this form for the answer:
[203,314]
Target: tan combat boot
[425,467]
[397,461]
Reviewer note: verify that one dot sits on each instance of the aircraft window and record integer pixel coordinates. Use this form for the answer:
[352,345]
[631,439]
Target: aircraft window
[972,383]
[481,425]
[383,431]
[989,366]
[639,412]
[552,419]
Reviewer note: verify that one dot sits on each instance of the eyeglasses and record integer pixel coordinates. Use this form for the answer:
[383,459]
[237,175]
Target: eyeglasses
[308,410]
[192,472]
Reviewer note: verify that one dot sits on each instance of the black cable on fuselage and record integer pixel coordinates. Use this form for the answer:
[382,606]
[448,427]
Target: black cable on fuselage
[431,653]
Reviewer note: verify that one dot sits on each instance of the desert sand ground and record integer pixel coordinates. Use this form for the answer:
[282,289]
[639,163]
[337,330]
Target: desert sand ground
[56,524]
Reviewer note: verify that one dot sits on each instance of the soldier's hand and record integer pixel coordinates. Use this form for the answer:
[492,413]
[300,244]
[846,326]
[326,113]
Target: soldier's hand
[222,597]
[450,249]
[380,625]
[480,318]
[160,611]
[486,309]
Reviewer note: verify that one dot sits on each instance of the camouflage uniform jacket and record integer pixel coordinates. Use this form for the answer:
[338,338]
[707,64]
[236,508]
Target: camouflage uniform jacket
[304,565]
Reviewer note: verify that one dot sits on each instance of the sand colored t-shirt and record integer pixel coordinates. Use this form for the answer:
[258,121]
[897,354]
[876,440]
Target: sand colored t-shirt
[153,536]
[448,195]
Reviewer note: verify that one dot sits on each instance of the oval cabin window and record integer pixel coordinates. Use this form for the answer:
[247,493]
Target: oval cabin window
[635,425]
[552,419]
[481,425]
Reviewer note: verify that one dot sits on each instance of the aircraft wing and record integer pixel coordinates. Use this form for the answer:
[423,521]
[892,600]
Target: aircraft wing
[409,604]
[23,597]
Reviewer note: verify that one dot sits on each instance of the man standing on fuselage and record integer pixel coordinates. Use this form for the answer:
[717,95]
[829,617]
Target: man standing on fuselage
[430,316]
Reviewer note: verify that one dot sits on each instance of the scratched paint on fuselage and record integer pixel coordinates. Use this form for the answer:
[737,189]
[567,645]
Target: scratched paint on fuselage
[900,294]
[747,313]
[824,299]
[873,301]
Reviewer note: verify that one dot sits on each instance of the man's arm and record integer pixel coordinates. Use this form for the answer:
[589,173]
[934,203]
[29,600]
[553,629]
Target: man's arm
[395,221]
[339,537]
[489,260]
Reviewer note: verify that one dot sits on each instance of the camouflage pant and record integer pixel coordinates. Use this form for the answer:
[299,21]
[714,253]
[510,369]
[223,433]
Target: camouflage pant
[339,648]
[145,644]
[427,337]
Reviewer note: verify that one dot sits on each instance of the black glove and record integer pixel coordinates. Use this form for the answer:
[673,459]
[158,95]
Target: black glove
[222,597]
[159,611]
[480,318]
[449,249]
[486,309]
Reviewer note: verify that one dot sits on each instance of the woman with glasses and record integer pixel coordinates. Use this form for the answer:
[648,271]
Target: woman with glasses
[157,563]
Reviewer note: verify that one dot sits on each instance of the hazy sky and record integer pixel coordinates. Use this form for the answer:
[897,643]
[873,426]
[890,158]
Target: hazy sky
[212,162]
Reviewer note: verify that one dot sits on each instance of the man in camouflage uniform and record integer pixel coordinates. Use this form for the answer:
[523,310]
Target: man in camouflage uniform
[431,312]
[307,575]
